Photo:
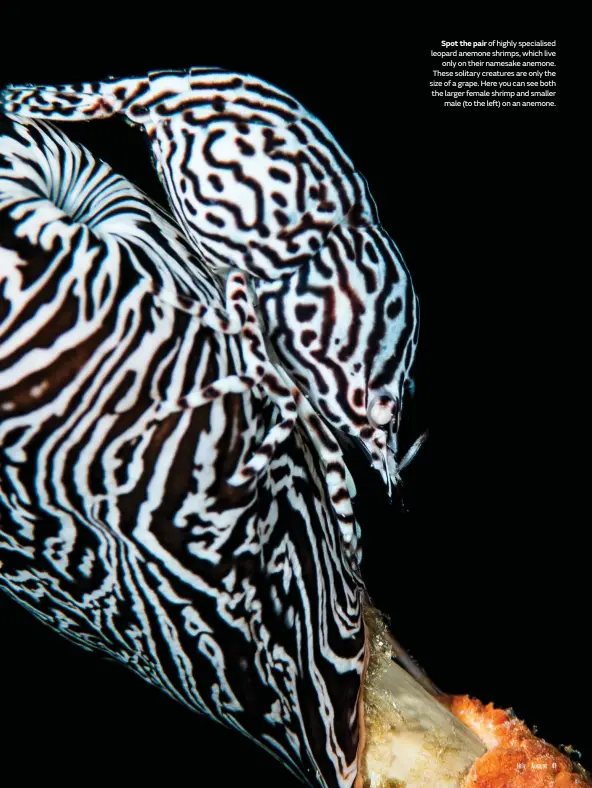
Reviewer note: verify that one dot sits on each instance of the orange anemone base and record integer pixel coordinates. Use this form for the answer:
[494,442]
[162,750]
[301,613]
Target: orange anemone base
[515,757]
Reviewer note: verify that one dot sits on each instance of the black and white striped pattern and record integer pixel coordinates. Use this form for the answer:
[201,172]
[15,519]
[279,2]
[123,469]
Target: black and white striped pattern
[260,185]
[135,389]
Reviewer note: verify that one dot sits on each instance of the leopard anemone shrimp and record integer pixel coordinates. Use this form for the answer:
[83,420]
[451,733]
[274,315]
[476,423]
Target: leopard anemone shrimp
[261,185]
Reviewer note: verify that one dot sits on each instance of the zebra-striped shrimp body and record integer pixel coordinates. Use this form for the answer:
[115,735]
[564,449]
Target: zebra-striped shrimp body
[260,185]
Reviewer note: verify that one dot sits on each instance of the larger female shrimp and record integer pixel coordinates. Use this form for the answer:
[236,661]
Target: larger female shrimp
[260,184]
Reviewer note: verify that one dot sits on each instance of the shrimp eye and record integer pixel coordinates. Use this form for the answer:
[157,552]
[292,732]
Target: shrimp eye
[382,410]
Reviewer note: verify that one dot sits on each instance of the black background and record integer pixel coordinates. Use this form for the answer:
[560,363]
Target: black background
[484,575]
